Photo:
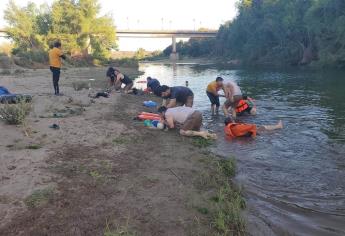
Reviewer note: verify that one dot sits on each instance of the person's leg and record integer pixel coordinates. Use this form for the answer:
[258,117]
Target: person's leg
[192,125]
[271,127]
[118,85]
[217,105]
[211,98]
[57,81]
[227,104]
[56,75]
[128,88]
[53,76]
[203,134]
[235,100]
[213,108]
[253,111]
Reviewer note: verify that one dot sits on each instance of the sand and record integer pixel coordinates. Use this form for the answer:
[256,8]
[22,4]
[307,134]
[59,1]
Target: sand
[101,170]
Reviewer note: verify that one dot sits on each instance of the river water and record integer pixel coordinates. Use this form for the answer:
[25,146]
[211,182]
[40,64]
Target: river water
[293,179]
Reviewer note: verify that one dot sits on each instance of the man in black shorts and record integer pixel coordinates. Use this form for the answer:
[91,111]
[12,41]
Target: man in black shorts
[178,96]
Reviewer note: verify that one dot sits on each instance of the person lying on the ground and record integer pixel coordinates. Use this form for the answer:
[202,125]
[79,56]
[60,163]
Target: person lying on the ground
[55,56]
[233,129]
[123,79]
[153,85]
[233,95]
[245,106]
[187,119]
[111,75]
[212,93]
[178,96]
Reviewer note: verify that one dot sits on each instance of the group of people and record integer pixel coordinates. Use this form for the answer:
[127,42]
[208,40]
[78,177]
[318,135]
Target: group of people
[177,106]
[177,109]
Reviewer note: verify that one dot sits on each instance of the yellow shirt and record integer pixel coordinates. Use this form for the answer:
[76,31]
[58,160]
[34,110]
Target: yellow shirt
[55,57]
[213,87]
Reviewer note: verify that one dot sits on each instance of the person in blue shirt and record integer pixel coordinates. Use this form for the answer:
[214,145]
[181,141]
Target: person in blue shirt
[153,85]
[178,96]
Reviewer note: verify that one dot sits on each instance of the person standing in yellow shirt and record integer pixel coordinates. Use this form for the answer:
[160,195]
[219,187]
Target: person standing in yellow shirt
[55,56]
[212,94]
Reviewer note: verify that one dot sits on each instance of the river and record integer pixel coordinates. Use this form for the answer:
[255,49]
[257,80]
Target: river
[293,179]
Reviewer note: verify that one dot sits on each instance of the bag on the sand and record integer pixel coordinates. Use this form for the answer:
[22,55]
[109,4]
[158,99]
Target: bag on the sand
[7,97]
[4,91]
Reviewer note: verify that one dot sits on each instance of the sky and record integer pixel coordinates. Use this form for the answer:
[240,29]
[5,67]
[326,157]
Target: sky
[156,15]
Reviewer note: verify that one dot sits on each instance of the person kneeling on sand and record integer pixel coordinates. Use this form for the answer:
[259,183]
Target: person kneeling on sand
[187,119]
[117,79]
[233,129]
[178,96]
[153,85]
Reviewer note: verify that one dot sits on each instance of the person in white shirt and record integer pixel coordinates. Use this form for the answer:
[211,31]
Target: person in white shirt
[187,119]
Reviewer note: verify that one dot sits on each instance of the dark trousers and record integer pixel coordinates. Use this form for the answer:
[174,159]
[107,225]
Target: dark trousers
[213,99]
[56,76]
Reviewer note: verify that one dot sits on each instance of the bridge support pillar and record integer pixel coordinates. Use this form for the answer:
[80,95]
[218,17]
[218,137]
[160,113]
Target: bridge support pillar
[174,54]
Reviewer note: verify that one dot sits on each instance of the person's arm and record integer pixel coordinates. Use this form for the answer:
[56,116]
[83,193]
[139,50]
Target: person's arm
[169,121]
[119,77]
[172,103]
[164,103]
[62,55]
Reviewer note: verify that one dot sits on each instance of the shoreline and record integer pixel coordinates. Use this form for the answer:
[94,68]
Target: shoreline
[102,171]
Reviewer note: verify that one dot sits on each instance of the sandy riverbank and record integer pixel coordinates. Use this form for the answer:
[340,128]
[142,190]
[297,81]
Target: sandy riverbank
[101,171]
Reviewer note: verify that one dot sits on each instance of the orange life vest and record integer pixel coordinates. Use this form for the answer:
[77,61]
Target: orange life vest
[242,105]
[233,130]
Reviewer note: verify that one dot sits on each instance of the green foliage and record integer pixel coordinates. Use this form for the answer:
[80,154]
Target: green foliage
[75,23]
[39,197]
[228,167]
[34,146]
[140,54]
[201,142]
[14,114]
[278,32]
[286,32]
[193,47]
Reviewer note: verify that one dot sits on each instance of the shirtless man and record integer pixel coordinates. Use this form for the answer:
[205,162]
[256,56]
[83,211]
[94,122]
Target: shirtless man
[233,95]
[187,119]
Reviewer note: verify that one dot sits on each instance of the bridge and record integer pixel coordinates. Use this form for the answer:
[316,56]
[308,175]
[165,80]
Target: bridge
[173,34]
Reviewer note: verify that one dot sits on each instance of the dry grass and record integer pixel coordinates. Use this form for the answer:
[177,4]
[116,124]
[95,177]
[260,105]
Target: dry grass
[15,114]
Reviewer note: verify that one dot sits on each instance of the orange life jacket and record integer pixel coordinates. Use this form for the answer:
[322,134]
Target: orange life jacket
[233,130]
[242,105]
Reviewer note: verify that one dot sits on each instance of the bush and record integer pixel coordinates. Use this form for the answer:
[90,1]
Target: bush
[35,55]
[14,114]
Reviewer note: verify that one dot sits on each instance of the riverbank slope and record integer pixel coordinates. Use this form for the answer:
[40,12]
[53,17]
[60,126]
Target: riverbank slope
[104,173]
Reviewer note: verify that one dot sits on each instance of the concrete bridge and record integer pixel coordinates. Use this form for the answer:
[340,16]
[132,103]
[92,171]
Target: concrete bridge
[173,34]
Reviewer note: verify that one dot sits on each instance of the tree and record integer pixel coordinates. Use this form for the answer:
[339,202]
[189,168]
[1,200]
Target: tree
[74,22]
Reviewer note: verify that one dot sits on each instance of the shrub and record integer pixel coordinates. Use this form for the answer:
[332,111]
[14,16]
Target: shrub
[14,114]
